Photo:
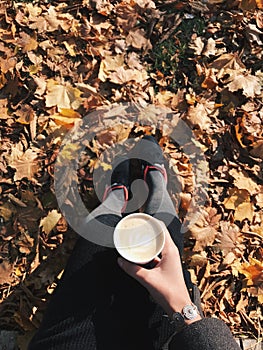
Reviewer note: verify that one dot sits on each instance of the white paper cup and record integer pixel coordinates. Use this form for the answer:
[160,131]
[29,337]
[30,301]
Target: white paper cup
[139,237]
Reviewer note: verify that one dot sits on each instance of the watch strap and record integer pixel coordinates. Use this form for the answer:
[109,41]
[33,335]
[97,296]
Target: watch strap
[189,312]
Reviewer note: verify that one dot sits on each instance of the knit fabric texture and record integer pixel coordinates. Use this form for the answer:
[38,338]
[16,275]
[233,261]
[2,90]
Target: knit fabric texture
[206,334]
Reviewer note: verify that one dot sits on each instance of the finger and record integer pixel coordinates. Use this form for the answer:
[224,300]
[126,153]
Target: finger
[169,245]
[133,270]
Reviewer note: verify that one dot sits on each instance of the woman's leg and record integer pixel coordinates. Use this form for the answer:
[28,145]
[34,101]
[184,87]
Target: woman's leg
[160,205]
[99,225]
[96,305]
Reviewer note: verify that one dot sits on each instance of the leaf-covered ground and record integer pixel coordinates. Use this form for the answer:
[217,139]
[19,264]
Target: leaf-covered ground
[203,60]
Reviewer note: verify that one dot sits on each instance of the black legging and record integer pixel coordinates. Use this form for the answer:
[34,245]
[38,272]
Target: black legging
[97,305]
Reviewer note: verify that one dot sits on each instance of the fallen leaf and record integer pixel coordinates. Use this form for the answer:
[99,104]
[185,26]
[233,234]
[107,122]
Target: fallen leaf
[253,270]
[123,76]
[25,163]
[204,228]
[197,45]
[50,221]
[7,64]
[66,117]
[249,84]
[110,64]
[239,200]
[230,237]
[243,181]
[136,38]
[198,116]
[6,270]
[257,149]
[25,113]
[210,81]
[62,96]
[27,42]
[228,60]
[25,243]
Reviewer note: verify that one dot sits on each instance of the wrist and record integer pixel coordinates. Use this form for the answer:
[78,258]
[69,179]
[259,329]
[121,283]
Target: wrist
[177,301]
[183,312]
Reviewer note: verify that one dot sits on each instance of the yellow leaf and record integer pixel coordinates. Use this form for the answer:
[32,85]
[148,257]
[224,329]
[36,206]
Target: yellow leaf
[19,272]
[66,117]
[33,69]
[236,197]
[60,120]
[69,152]
[253,270]
[105,166]
[239,200]
[50,221]
[70,48]
[244,211]
[69,113]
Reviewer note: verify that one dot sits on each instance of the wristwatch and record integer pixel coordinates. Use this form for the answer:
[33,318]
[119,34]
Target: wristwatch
[189,312]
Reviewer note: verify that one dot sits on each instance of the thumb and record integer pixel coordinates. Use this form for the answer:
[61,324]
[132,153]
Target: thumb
[135,271]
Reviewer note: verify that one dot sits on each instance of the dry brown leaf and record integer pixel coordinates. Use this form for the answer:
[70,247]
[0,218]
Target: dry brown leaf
[210,48]
[239,200]
[259,198]
[123,76]
[25,113]
[254,34]
[250,5]
[145,4]
[25,163]
[6,270]
[25,243]
[210,81]
[62,96]
[243,181]
[257,150]
[50,221]
[197,45]
[3,109]
[260,4]
[136,38]
[228,60]
[198,116]
[27,42]
[230,237]
[110,64]
[249,84]
[7,64]
[204,228]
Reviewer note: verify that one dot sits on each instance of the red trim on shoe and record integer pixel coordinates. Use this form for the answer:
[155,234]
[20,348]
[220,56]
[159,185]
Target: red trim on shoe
[155,167]
[116,187]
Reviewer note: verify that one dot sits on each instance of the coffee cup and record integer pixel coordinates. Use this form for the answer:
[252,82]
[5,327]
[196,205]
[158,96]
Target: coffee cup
[139,237]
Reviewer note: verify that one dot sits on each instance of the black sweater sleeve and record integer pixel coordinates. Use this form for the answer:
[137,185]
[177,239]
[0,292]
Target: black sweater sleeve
[206,334]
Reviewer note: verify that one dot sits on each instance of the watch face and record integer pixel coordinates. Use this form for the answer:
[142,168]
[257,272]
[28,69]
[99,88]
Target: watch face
[190,312]
[178,320]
